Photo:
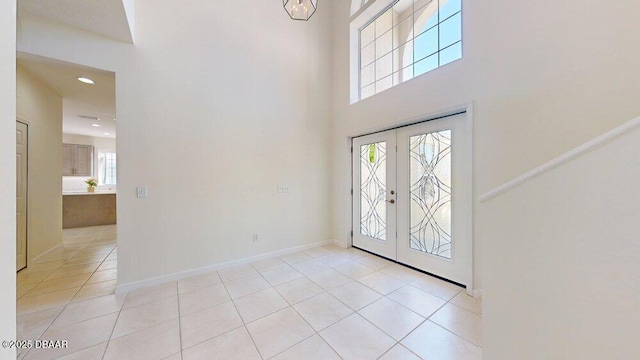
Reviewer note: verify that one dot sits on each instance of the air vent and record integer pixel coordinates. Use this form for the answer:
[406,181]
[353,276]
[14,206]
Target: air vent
[88,117]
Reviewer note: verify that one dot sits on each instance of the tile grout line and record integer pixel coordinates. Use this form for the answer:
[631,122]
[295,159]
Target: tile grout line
[397,342]
[326,252]
[290,306]
[315,332]
[456,335]
[302,317]
[179,317]
[104,353]
[249,332]
[367,320]
[241,319]
[459,307]
[61,266]
[354,311]
[428,319]
[318,332]
[57,316]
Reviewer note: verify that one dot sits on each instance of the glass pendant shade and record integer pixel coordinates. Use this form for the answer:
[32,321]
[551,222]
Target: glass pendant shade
[300,9]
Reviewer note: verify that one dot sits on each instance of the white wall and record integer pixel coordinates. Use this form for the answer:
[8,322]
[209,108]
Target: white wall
[41,108]
[130,12]
[563,281]
[543,77]
[8,175]
[77,183]
[97,142]
[214,111]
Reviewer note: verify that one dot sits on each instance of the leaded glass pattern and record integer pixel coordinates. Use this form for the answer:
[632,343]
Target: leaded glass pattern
[430,187]
[373,190]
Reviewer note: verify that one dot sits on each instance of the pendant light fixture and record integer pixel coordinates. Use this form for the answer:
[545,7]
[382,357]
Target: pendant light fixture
[300,9]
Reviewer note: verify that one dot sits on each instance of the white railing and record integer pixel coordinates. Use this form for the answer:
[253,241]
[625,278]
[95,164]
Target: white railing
[563,159]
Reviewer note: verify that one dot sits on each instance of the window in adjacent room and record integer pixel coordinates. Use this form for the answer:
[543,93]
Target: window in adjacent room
[106,168]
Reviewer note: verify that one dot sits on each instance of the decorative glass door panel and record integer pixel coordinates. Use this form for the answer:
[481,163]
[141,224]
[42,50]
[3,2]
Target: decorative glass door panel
[373,190]
[374,212]
[430,189]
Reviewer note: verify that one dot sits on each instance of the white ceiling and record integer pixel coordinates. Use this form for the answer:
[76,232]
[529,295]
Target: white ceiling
[105,17]
[79,99]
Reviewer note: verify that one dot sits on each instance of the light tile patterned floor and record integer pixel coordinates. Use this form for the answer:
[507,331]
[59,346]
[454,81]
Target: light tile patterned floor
[322,303]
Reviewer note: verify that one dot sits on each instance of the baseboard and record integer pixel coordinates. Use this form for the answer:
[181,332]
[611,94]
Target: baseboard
[36,259]
[477,294]
[340,244]
[122,289]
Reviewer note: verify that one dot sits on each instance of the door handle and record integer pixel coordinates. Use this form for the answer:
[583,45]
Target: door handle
[391,201]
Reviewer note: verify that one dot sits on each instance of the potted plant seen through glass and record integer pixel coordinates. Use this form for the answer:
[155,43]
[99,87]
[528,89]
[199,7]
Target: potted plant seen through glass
[91,185]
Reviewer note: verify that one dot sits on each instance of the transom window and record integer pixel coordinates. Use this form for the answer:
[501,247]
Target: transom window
[408,39]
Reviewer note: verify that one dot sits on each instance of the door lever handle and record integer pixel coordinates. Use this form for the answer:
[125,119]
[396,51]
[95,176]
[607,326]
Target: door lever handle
[391,201]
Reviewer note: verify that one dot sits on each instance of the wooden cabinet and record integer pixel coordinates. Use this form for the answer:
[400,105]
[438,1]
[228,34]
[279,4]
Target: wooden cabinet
[88,209]
[68,159]
[77,160]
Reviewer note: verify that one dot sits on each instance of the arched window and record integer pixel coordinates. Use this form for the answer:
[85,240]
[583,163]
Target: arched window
[406,39]
[357,5]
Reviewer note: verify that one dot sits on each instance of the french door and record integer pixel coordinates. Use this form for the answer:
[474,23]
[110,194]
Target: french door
[411,198]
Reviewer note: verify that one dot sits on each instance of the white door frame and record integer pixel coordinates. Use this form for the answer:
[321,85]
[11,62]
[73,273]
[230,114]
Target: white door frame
[26,245]
[349,210]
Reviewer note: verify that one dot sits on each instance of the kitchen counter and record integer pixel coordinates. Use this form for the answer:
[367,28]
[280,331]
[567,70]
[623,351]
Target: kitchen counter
[97,192]
[83,209]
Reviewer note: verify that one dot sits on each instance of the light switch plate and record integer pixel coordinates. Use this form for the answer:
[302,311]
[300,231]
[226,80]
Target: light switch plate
[142,192]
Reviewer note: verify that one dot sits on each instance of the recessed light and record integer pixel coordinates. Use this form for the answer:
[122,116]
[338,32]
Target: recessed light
[96,125]
[86,80]
[107,134]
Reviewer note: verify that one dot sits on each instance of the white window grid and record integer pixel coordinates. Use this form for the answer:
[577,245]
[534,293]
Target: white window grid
[406,70]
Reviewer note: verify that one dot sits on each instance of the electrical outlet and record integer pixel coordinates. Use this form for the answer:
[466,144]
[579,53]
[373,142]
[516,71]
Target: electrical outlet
[142,192]
[283,188]
[255,237]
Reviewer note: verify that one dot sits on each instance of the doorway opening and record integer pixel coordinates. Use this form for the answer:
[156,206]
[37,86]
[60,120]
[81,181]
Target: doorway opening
[67,185]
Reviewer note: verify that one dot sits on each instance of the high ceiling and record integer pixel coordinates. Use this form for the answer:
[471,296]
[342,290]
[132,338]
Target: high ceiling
[104,17]
[82,103]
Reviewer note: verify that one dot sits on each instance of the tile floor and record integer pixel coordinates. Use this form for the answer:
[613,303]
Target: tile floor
[322,303]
